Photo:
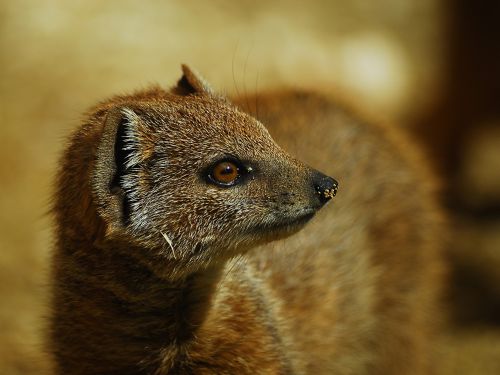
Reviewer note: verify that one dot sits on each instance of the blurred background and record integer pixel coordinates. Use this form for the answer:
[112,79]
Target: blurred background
[430,66]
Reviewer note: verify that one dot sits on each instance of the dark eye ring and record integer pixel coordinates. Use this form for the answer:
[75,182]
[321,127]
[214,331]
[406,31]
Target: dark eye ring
[226,172]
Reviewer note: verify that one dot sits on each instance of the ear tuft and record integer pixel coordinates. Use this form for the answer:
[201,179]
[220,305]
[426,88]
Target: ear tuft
[192,82]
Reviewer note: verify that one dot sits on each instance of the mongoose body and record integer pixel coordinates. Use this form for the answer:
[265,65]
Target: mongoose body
[165,205]
[360,285]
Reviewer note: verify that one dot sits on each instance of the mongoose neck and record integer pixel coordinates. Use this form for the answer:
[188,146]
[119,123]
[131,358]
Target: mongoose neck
[116,304]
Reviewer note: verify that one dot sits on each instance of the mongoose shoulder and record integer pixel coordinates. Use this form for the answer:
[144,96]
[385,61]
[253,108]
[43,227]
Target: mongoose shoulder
[166,204]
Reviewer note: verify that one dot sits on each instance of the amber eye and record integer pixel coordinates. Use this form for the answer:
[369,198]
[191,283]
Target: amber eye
[225,173]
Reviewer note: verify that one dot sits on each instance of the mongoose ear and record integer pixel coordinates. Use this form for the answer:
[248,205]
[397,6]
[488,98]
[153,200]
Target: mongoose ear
[192,82]
[115,173]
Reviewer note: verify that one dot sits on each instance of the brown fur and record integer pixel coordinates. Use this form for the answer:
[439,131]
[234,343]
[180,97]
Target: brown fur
[352,293]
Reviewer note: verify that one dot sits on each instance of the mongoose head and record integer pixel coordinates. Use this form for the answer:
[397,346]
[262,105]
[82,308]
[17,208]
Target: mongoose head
[194,180]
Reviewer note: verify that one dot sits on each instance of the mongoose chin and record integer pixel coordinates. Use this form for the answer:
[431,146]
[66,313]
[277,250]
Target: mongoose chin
[166,205]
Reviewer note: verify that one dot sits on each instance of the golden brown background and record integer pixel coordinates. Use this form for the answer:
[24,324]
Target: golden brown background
[430,66]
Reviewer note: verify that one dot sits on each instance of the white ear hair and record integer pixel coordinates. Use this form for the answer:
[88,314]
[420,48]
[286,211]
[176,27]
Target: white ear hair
[131,139]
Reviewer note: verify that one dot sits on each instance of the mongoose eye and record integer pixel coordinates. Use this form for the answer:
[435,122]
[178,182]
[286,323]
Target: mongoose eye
[225,173]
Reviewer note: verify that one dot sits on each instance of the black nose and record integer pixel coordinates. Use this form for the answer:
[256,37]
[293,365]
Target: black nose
[325,187]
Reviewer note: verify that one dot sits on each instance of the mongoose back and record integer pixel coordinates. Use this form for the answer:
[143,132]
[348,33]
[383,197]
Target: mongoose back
[165,207]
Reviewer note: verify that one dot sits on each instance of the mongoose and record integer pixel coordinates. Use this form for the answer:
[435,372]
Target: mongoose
[166,206]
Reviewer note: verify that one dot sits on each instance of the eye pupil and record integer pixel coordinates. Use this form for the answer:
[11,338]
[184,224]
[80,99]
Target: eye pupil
[225,172]
[227,169]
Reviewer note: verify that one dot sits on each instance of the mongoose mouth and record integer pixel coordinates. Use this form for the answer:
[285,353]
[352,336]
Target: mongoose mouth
[286,225]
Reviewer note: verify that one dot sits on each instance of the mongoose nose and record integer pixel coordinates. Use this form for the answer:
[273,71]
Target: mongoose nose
[326,187]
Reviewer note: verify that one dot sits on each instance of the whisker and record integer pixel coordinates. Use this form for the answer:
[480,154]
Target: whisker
[169,241]
[257,96]
[232,69]
[245,91]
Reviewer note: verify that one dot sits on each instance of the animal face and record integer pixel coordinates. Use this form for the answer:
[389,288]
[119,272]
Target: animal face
[195,176]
